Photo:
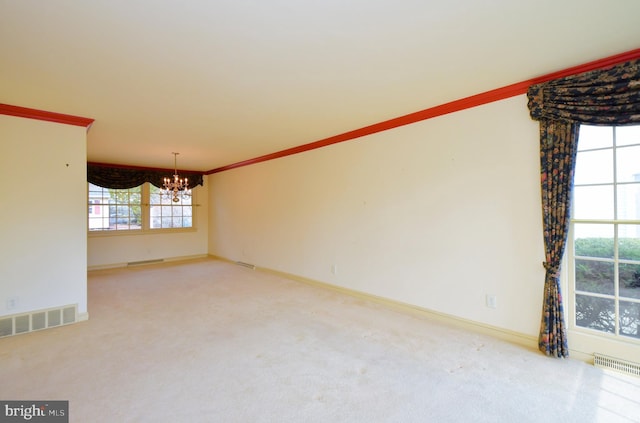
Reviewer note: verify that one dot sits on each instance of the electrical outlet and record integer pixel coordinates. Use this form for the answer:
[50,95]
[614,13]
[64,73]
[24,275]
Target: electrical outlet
[334,269]
[12,303]
[492,301]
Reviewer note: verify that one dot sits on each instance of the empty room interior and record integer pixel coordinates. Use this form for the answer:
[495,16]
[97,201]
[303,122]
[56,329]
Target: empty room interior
[287,211]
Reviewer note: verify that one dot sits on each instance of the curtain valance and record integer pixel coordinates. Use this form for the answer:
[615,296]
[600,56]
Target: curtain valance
[124,178]
[600,97]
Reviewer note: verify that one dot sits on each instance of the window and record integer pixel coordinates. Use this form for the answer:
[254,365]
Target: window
[166,213]
[604,242]
[137,209]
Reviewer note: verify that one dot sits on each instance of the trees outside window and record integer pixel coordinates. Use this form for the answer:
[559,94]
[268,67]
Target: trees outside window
[604,246]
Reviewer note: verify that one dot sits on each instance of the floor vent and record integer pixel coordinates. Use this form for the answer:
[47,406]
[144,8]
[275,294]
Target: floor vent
[37,320]
[617,364]
[249,265]
[138,263]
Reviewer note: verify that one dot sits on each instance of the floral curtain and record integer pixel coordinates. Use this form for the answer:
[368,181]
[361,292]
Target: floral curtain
[124,178]
[558,147]
[603,97]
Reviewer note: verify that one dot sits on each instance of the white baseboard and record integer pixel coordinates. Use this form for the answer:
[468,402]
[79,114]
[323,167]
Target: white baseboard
[106,266]
[583,343]
[528,341]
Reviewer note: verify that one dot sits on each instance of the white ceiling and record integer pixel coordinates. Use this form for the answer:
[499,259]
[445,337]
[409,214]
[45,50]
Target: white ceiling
[222,81]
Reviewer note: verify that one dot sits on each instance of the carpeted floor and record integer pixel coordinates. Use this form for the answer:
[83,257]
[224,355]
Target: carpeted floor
[210,341]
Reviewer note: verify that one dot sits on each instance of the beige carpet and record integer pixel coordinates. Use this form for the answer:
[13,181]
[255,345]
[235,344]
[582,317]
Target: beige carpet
[210,341]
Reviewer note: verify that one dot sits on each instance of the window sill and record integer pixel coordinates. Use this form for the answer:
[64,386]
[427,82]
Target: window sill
[138,232]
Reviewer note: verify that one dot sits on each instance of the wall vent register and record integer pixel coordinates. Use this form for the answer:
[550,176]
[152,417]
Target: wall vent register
[38,320]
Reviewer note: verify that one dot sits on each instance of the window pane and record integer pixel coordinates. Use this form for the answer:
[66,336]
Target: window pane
[630,319]
[629,280]
[155,214]
[593,202]
[628,164]
[628,202]
[154,197]
[97,223]
[626,135]
[594,276]
[98,200]
[136,214]
[592,230]
[600,247]
[595,137]
[594,167]
[629,242]
[595,313]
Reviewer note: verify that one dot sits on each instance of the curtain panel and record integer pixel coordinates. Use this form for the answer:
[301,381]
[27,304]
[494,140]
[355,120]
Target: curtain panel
[558,148]
[603,97]
[124,178]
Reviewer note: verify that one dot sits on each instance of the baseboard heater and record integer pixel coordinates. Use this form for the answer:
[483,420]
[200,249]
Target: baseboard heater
[248,265]
[624,366]
[138,263]
[38,320]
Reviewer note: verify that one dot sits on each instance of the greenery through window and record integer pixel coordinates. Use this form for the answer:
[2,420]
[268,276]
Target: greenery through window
[606,231]
[136,209]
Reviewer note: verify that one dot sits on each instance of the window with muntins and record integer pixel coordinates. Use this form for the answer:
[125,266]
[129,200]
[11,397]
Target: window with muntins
[604,241]
[143,208]
[166,213]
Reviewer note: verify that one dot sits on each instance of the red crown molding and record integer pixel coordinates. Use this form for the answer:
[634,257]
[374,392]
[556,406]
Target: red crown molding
[7,109]
[443,109]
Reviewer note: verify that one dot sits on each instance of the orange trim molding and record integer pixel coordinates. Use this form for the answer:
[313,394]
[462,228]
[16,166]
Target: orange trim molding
[7,109]
[443,109]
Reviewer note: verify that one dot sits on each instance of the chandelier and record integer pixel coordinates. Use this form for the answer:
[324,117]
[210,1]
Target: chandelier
[177,187]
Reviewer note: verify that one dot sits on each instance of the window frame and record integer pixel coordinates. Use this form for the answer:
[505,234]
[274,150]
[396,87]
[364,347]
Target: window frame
[145,207]
[570,258]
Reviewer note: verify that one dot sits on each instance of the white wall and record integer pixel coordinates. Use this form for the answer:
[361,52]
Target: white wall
[112,250]
[436,214]
[43,254]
